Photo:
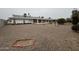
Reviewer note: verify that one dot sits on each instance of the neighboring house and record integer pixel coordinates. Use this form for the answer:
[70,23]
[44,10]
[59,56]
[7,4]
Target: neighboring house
[1,23]
[24,19]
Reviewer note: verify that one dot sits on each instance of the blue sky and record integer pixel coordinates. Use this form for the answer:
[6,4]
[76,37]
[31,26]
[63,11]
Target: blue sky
[46,12]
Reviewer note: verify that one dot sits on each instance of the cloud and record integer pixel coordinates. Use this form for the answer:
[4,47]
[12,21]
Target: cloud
[46,12]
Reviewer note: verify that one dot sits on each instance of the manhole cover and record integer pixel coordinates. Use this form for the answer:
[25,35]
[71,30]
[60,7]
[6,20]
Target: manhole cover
[23,43]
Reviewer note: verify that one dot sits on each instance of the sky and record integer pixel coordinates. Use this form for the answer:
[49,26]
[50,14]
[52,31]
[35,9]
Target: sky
[54,13]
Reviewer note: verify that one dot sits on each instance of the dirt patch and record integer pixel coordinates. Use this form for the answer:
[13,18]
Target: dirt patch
[23,43]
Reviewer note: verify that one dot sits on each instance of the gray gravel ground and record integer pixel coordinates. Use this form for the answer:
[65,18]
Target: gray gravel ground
[47,37]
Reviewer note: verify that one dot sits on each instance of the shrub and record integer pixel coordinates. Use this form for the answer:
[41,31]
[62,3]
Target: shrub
[61,21]
[68,20]
[74,21]
[75,28]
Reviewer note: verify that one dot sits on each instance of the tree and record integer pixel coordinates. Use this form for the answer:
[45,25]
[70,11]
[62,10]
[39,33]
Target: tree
[61,21]
[75,18]
[42,17]
[25,15]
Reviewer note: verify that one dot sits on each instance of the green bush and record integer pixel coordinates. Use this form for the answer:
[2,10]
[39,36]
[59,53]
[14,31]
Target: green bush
[75,21]
[75,28]
[61,21]
[69,20]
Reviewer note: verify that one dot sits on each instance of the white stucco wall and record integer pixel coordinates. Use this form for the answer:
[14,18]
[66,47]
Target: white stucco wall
[10,22]
[28,21]
[19,21]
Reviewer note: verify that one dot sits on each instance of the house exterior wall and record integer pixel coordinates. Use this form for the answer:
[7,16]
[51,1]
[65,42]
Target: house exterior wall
[28,21]
[10,22]
[19,21]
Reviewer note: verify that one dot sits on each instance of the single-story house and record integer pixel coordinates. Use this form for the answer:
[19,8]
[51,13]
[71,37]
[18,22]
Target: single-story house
[23,19]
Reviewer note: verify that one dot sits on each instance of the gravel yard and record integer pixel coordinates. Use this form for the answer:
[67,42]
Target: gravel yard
[48,37]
